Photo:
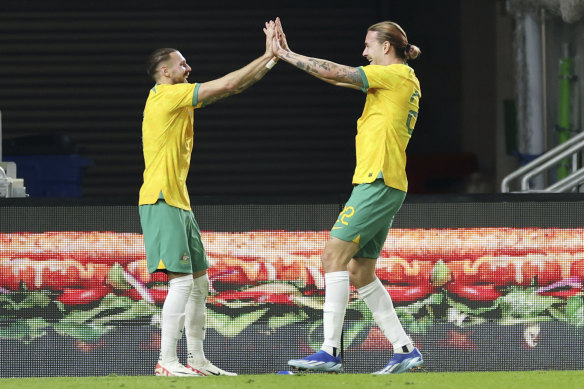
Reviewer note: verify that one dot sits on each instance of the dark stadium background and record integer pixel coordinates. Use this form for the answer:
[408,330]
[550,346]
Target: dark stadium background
[73,81]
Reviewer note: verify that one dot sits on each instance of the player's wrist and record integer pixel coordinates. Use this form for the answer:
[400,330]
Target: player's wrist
[272,62]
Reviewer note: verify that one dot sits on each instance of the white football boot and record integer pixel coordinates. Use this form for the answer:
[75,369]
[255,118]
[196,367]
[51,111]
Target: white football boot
[206,368]
[174,369]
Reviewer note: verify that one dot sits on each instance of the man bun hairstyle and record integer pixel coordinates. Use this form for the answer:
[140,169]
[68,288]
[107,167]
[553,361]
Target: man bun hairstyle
[394,34]
[156,58]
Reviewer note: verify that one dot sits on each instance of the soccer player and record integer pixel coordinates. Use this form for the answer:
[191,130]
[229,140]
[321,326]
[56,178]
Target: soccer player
[380,184]
[171,234]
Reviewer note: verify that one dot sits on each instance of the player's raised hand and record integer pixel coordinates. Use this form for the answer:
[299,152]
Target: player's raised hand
[270,31]
[281,36]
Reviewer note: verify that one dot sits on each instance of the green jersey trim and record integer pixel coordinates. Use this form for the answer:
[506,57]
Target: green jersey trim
[196,95]
[365,82]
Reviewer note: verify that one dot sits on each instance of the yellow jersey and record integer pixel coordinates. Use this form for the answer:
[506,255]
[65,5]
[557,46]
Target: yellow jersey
[167,140]
[386,124]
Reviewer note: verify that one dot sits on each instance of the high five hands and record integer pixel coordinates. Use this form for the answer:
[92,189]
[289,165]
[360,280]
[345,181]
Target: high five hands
[276,44]
[280,43]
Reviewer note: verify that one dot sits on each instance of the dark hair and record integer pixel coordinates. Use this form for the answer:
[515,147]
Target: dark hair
[394,34]
[157,56]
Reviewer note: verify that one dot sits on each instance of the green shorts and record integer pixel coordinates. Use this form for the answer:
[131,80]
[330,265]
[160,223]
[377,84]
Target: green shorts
[172,239]
[367,217]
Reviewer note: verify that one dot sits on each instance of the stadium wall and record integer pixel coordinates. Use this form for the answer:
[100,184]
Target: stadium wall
[483,282]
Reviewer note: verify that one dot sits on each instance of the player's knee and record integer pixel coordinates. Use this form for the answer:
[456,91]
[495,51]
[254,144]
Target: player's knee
[332,262]
[337,255]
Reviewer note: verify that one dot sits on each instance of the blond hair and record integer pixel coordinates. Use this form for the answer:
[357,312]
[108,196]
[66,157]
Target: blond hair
[396,36]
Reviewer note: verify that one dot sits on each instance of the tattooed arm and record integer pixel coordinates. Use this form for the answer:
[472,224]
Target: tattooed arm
[336,83]
[333,73]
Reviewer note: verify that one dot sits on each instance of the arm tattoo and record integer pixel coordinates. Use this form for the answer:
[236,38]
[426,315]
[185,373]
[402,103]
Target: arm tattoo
[320,64]
[302,66]
[326,69]
[351,75]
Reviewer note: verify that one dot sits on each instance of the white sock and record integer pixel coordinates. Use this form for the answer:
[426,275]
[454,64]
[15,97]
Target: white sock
[196,317]
[173,317]
[379,302]
[335,304]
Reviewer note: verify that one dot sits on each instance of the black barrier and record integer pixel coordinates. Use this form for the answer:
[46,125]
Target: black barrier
[479,283]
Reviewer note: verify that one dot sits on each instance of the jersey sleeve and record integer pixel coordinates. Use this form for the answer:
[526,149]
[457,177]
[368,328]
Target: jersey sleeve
[183,95]
[380,77]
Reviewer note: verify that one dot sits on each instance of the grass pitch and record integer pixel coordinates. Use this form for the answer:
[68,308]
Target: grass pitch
[483,380]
